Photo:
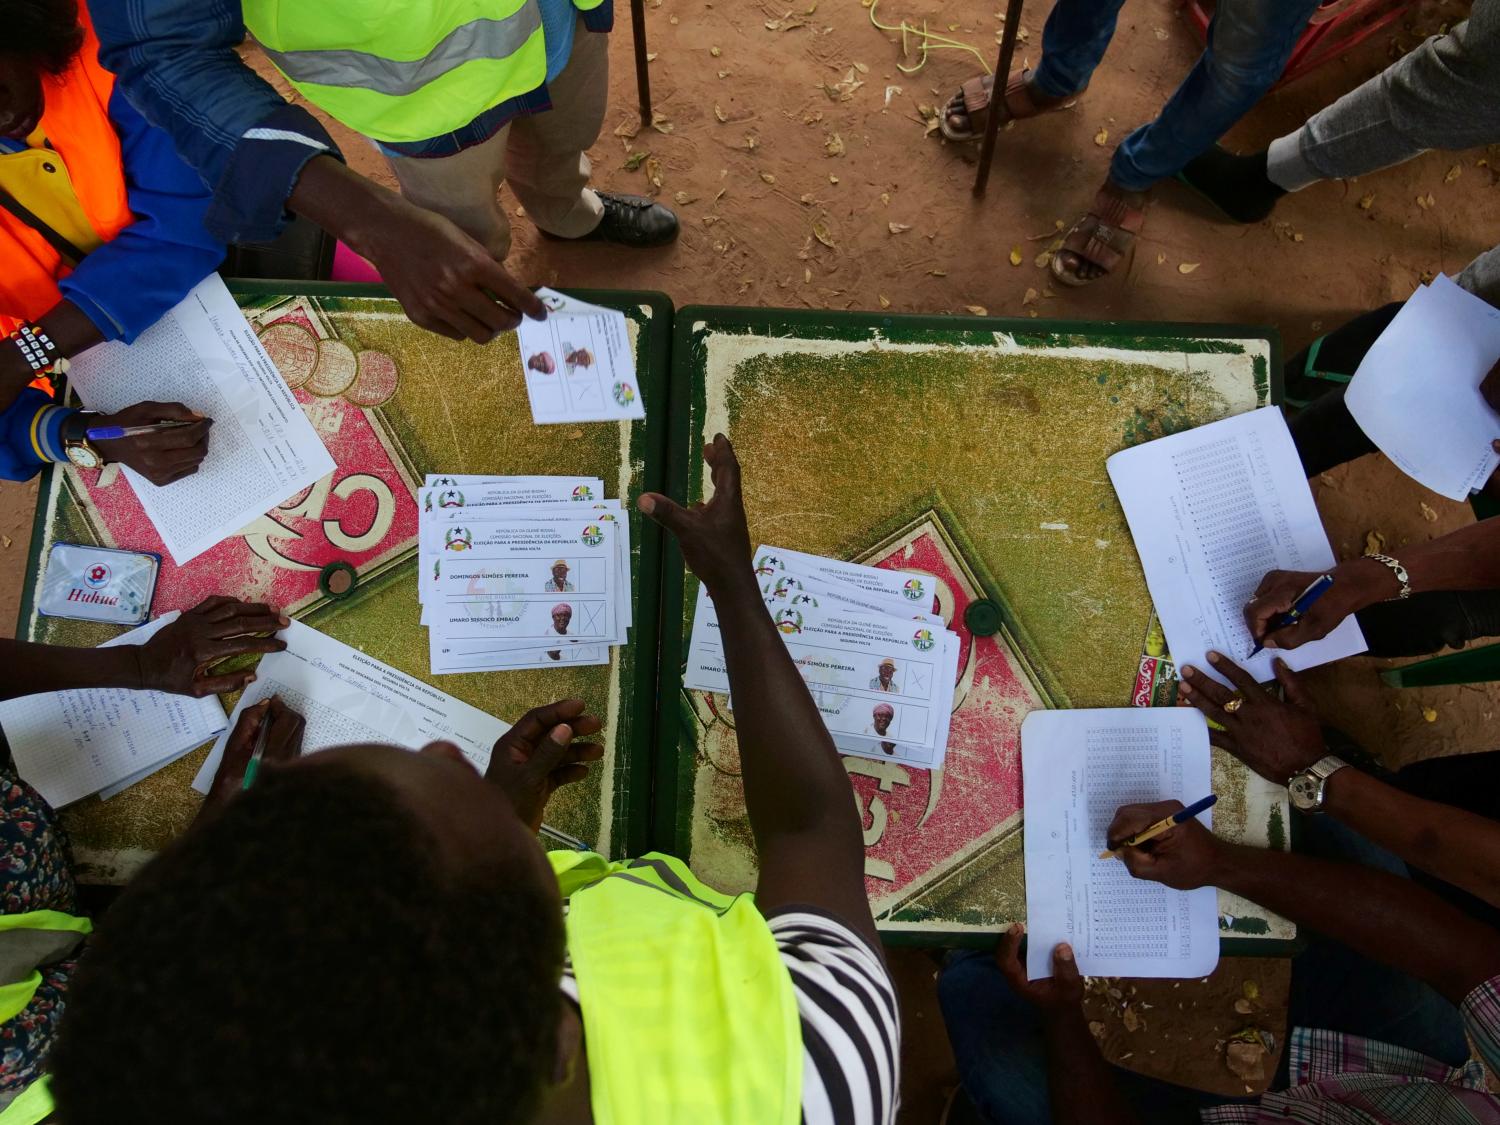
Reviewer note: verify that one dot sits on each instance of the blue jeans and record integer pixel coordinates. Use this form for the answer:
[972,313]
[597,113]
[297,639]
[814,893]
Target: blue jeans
[1249,42]
[1002,1060]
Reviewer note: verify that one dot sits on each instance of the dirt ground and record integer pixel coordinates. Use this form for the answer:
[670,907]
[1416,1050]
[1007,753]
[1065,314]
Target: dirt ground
[776,123]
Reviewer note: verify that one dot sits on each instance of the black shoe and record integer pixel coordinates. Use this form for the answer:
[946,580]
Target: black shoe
[630,220]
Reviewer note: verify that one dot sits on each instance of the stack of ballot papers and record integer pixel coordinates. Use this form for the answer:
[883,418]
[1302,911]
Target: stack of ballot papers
[73,744]
[348,698]
[522,572]
[880,668]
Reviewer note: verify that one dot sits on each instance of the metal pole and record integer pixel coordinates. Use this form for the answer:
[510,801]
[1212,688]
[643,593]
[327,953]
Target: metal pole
[997,93]
[642,80]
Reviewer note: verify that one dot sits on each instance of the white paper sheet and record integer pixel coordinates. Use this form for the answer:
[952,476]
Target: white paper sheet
[1211,510]
[578,363]
[261,449]
[897,592]
[1077,768]
[70,744]
[839,655]
[1416,392]
[348,697]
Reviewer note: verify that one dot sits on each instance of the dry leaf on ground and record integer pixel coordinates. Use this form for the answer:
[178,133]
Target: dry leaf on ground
[1101,138]
[653,171]
[1187,267]
[635,160]
[885,302]
[834,145]
[766,177]
[1366,200]
[978,310]
[1453,173]
[823,234]
[1015,256]
[898,228]
[720,114]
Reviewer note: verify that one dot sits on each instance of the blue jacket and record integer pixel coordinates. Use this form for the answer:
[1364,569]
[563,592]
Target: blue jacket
[176,61]
[125,285]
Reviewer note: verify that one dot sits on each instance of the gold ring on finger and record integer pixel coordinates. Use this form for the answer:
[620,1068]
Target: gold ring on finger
[1234,703]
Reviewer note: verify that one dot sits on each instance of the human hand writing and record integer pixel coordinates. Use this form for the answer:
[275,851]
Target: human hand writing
[714,537]
[1059,995]
[161,457]
[537,756]
[446,281]
[283,743]
[178,657]
[1274,737]
[1183,857]
[1356,584]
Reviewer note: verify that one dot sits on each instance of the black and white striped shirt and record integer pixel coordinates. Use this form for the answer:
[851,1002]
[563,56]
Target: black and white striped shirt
[851,1031]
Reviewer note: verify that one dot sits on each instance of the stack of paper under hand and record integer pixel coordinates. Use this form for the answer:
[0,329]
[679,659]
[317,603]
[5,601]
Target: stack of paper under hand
[522,572]
[73,744]
[879,666]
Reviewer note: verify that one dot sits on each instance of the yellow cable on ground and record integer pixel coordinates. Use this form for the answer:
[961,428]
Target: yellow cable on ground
[927,41]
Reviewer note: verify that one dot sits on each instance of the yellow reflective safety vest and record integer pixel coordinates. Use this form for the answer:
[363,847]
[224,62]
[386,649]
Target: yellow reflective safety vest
[28,941]
[688,1012]
[401,71]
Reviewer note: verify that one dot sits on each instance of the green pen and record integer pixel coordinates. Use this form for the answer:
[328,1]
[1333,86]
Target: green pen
[252,767]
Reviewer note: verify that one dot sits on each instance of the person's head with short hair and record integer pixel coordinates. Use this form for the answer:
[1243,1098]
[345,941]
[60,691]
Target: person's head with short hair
[366,935]
[886,671]
[882,715]
[559,573]
[41,37]
[562,614]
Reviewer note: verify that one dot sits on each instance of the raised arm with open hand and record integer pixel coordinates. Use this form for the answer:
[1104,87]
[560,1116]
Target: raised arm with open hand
[807,832]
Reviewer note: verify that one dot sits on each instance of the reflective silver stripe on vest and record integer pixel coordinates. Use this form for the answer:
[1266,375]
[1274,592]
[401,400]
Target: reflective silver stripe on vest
[478,39]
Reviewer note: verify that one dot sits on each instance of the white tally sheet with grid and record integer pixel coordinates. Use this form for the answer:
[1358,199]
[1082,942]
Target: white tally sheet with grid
[72,744]
[261,449]
[347,697]
[1212,510]
[1077,769]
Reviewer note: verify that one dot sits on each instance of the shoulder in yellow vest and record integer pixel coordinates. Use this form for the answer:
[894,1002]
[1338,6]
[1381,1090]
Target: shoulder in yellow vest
[688,1011]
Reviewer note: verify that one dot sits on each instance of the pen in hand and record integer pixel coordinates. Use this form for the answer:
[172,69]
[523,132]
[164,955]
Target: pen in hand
[1160,826]
[1318,587]
[114,433]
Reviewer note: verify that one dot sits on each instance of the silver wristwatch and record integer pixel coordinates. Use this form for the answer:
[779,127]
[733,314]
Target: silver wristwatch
[1308,789]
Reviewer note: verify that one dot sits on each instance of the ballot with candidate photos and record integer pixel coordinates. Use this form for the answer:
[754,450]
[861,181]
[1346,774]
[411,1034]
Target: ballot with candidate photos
[522,572]
[882,682]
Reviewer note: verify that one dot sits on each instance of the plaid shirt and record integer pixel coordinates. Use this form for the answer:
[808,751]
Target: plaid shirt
[1346,1080]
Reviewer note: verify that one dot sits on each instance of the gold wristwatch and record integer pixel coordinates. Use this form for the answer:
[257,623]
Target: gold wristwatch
[76,443]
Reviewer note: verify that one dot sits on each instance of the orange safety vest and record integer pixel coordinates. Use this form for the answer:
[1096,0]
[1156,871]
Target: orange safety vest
[81,175]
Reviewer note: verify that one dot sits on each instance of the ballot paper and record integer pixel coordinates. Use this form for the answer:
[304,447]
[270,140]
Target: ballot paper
[455,528]
[1077,768]
[1211,510]
[578,363]
[447,494]
[261,450]
[795,589]
[347,697]
[1416,392]
[503,583]
[899,592]
[70,744]
[522,572]
[883,685]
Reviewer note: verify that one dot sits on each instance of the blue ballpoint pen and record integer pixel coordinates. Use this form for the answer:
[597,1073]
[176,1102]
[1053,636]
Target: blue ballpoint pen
[1303,603]
[114,433]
